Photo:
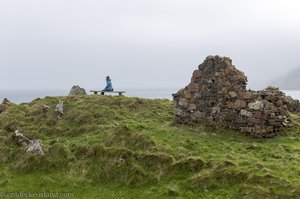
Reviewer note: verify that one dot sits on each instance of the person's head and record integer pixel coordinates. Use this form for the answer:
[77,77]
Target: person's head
[107,78]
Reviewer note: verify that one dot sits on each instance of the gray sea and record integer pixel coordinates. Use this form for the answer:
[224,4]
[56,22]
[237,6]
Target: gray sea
[23,96]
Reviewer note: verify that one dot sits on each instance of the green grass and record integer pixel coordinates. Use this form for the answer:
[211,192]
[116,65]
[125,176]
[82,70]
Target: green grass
[119,147]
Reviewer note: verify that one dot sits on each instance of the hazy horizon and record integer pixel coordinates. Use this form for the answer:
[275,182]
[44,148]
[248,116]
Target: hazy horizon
[54,44]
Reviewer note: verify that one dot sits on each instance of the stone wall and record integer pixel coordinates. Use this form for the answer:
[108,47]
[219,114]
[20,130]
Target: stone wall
[217,95]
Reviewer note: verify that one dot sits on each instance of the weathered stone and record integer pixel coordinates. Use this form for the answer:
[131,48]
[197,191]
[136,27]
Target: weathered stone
[192,107]
[20,139]
[246,129]
[77,90]
[232,94]
[215,110]
[194,88]
[187,93]
[270,107]
[259,130]
[60,107]
[246,113]
[197,74]
[254,121]
[212,103]
[247,95]
[199,114]
[35,147]
[240,120]
[178,111]
[45,109]
[238,104]
[257,105]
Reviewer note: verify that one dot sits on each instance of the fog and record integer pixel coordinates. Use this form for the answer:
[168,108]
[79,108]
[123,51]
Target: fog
[142,44]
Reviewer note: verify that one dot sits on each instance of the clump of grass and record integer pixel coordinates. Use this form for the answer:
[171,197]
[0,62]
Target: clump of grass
[158,163]
[249,192]
[126,139]
[30,162]
[171,190]
[190,164]
[122,165]
[58,155]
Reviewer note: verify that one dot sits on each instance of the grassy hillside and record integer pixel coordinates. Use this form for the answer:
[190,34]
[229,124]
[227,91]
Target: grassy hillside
[119,147]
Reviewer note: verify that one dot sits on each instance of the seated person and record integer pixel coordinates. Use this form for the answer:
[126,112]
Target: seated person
[108,86]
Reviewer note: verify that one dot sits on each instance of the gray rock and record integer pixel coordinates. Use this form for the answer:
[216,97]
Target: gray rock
[192,107]
[215,110]
[60,107]
[35,147]
[246,113]
[45,109]
[257,105]
[77,90]
[232,94]
[20,139]
[182,102]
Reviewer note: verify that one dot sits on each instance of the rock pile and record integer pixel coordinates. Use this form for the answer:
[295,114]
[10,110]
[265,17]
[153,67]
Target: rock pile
[217,95]
[33,146]
[77,90]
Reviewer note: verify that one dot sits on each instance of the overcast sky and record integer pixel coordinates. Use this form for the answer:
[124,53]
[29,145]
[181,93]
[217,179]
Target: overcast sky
[142,43]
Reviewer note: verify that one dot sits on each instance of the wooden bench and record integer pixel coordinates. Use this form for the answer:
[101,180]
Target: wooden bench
[103,92]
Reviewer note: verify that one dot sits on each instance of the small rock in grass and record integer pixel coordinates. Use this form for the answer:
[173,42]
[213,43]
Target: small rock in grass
[60,107]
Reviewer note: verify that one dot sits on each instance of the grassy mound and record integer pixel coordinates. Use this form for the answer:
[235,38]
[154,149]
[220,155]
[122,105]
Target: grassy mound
[119,147]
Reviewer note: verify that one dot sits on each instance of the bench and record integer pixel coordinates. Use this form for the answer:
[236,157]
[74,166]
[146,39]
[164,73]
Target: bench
[103,92]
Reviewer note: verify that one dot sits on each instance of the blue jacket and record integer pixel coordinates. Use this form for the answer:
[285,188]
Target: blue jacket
[108,86]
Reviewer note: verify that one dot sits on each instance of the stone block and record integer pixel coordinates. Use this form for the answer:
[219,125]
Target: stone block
[257,105]
[192,107]
[197,74]
[270,107]
[215,110]
[183,102]
[194,88]
[232,94]
[187,94]
[246,113]
[238,104]
[247,95]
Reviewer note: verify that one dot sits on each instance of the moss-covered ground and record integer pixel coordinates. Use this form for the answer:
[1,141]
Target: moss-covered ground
[119,147]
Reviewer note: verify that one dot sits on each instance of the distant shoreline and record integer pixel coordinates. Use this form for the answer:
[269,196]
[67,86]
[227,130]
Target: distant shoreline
[27,95]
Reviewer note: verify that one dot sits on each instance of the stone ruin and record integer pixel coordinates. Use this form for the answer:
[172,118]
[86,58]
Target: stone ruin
[217,96]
